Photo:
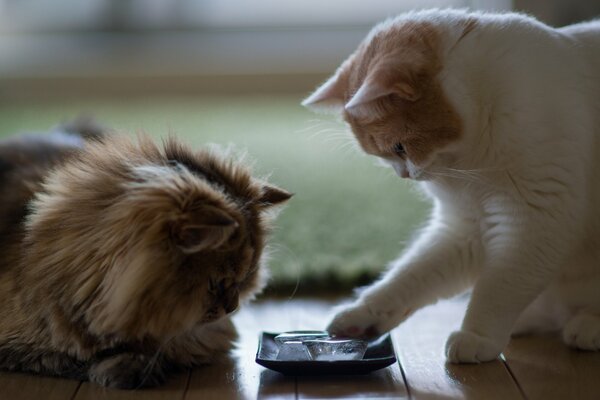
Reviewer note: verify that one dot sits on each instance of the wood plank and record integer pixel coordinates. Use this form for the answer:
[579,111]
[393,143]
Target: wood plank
[420,343]
[232,379]
[173,389]
[238,376]
[17,386]
[547,369]
[543,366]
[386,383]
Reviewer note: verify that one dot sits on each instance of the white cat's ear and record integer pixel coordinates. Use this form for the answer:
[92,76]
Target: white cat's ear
[207,228]
[370,90]
[380,83]
[329,97]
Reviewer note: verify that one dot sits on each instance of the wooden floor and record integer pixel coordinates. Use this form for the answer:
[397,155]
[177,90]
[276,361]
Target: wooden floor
[532,368]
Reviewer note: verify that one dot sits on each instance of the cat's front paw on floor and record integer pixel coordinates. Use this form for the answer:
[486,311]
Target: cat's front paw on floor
[583,332]
[126,371]
[468,347]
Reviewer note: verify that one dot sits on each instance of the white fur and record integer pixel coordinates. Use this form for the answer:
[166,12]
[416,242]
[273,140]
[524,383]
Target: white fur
[516,203]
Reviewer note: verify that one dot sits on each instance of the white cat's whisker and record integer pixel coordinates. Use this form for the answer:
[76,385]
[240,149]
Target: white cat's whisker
[349,147]
[314,124]
[328,132]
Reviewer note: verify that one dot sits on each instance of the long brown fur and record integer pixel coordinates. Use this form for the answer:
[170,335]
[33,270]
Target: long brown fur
[121,259]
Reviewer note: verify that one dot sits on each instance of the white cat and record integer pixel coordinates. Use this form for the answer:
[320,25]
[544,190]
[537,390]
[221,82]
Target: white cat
[498,118]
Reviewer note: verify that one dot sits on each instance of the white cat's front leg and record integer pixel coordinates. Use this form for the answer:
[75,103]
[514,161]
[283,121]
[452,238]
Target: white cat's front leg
[521,263]
[441,263]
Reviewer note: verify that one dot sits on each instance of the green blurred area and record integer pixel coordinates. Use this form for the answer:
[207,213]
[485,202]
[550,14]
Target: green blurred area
[349,217]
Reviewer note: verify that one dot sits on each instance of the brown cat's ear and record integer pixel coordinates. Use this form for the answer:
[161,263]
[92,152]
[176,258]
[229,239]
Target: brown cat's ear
[272,195]
[329,97]
[383,81]
[206,228]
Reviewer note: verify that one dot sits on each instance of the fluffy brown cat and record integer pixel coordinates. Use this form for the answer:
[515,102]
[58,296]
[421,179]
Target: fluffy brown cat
[121,259]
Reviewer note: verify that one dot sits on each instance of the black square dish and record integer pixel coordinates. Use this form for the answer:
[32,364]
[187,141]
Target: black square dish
[380,354]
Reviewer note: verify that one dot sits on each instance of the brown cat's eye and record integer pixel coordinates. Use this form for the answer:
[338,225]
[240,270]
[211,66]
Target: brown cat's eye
[399,150]
[216,286]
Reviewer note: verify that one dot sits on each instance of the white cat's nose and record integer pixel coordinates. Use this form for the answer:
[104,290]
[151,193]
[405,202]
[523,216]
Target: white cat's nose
[401,170]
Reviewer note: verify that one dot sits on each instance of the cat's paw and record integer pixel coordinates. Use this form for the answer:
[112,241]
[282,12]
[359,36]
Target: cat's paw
[353,321]
[583,332]
[468,347]
[126,371]
[363,320]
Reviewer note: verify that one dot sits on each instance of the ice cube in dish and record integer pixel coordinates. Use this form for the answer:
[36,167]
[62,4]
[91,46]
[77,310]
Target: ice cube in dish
[336,349]
[292,350]
[300,336]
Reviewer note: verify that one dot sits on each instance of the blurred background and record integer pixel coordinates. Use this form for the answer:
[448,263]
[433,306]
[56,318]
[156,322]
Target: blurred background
[234,71]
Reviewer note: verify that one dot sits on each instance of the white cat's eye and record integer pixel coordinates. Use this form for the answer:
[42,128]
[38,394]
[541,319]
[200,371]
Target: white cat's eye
[399,150]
